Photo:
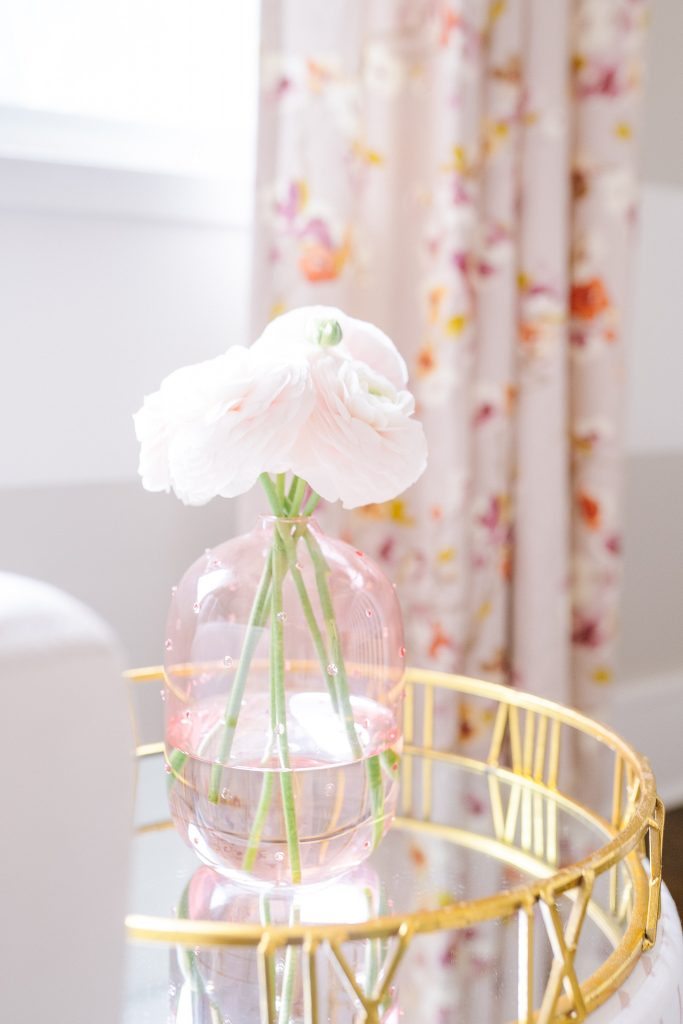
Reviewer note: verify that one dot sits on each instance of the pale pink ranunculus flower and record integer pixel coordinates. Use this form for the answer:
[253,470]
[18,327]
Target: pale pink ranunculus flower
[212,428]
[295,332]
[360,444]
[320,394]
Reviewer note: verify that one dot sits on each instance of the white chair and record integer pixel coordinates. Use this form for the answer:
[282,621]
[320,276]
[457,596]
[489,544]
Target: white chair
[65,798]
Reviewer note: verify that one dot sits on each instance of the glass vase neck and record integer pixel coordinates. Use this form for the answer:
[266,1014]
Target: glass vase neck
[269,521]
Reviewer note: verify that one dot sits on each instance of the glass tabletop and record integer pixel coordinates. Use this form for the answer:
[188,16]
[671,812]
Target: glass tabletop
[485,835]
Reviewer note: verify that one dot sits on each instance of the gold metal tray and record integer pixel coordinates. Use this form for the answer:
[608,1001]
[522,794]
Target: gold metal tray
[521,821]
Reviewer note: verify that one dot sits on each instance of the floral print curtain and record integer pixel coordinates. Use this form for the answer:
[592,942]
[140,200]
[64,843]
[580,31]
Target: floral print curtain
[463,173]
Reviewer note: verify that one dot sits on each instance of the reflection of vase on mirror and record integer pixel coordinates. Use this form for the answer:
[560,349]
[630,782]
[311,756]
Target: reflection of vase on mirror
[220,984]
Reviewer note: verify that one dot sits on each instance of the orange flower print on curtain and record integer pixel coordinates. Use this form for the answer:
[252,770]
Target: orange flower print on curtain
[588,299]
[307,234]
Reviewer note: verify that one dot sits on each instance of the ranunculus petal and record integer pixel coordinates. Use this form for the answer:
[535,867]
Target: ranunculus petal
[360,340]
[360,445]
[150,430]
[214,427]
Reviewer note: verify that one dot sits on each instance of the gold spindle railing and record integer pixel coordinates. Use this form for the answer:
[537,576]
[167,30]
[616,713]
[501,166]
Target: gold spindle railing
[407,759]
[427,744]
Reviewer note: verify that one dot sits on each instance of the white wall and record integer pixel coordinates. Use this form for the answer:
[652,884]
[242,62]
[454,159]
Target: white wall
[662,136]
[651,635]
[95,308]
[647,703]
[94,311]
[651,639]
[655,357]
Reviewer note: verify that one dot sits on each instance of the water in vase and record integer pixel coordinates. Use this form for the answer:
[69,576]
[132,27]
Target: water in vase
[344,804]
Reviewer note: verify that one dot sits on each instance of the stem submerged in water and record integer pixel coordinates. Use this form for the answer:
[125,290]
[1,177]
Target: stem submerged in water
[372,766]
[259,822]
[337,664]
[277,656]
[251,639]
[269,599]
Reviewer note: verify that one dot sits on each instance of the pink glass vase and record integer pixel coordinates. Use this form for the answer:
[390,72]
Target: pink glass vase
[284,665]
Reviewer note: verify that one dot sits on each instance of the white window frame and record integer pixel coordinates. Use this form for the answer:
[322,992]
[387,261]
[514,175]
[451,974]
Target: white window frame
[64,164]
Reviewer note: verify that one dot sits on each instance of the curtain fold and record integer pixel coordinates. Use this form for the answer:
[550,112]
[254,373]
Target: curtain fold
[464,175]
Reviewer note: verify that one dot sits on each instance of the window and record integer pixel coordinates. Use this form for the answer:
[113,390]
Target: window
[162,86]
[127,153]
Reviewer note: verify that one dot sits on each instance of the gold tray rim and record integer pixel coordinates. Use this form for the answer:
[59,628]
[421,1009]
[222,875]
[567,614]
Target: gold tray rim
[644,823]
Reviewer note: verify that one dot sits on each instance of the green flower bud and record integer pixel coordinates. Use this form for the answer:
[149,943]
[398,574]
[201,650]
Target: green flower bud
[326,333]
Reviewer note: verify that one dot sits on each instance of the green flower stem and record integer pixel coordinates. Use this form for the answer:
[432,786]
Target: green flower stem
[266,919]
[188,961]
[376,798]
[372,950]
[311,505]
[373,766]
[291,829]
[271,493]
[266,786]
[251,639]
[175,760]
[257,827]
[263,807]
[309,615]
[272,705]
[342,685]
[280,488]
[283,559]
[296,495]
[277,654]
[259,821]
[291,959]
[290,493]
[188,957]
